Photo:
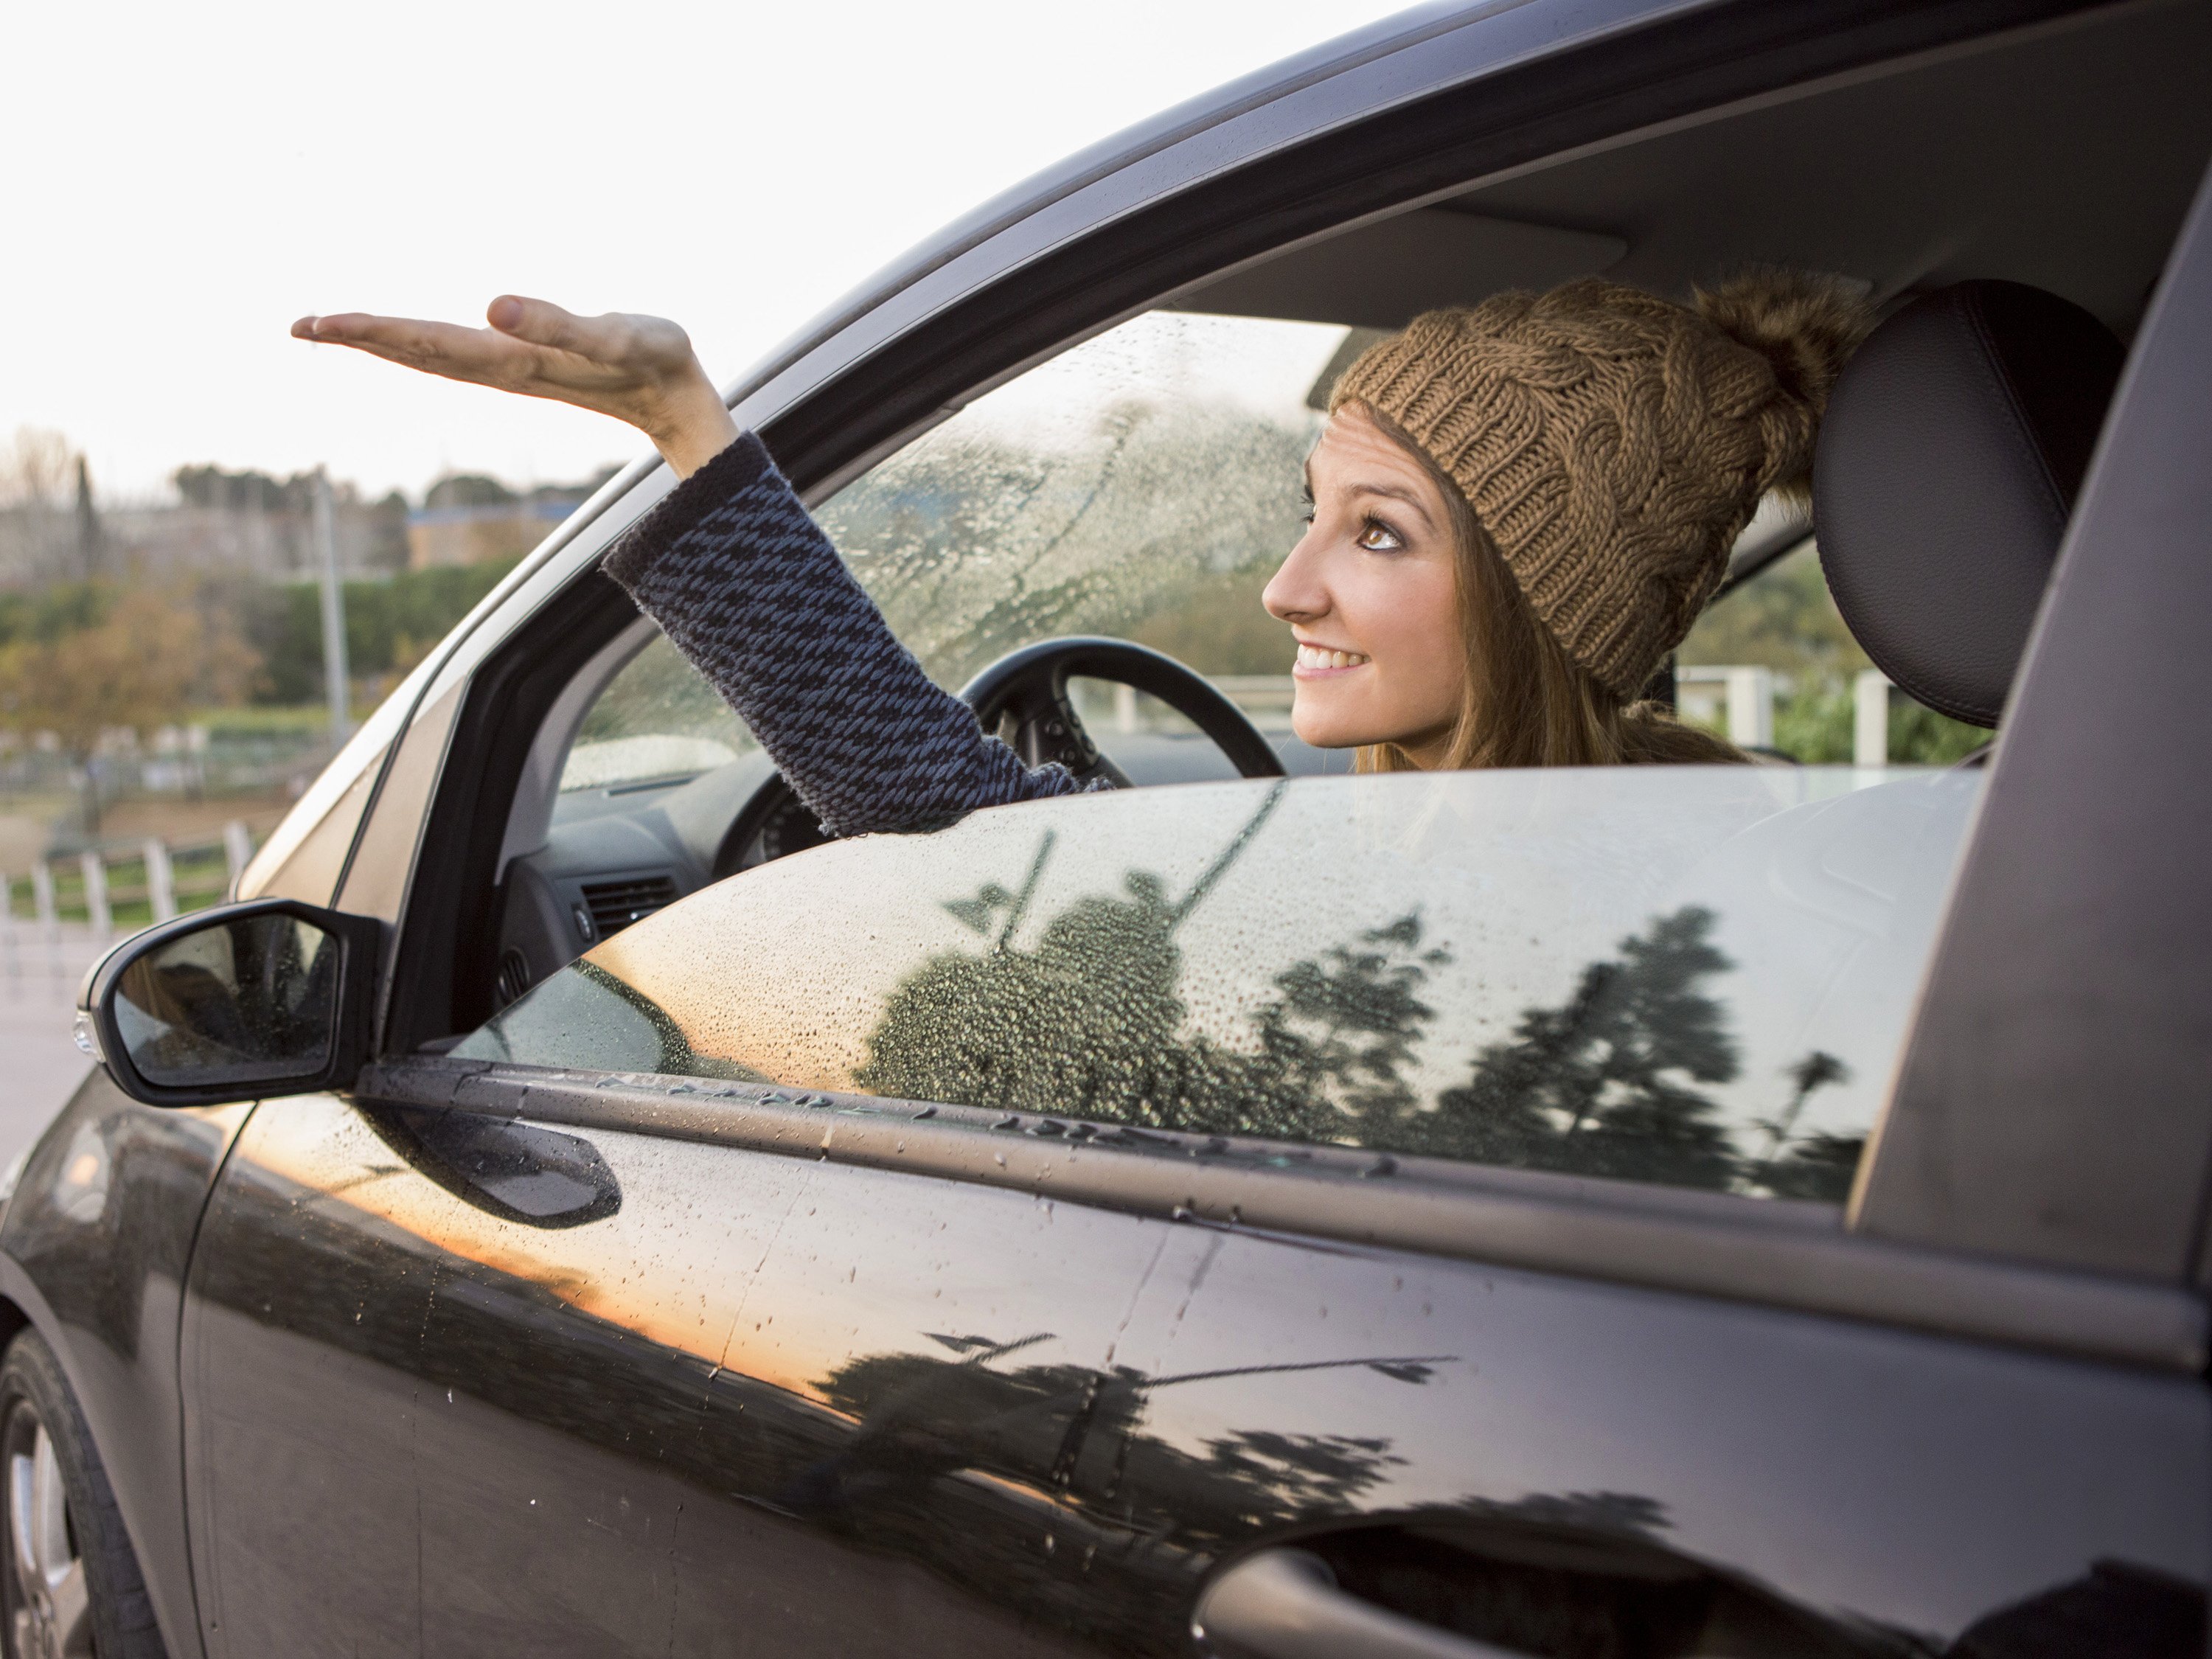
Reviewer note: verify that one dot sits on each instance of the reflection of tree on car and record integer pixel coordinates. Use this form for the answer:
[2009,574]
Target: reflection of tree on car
[1089,1021]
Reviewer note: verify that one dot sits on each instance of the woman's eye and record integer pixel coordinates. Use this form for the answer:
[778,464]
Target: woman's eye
[1379,537]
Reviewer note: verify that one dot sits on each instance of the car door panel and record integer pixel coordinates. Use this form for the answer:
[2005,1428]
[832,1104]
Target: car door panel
[303,1321]
[775,1403]
[1875,1484]
[660,1431]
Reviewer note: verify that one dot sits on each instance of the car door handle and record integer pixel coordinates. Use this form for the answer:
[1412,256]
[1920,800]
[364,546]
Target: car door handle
[1284,1604]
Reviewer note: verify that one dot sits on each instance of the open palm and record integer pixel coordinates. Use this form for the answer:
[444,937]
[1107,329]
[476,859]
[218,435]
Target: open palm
[639,369]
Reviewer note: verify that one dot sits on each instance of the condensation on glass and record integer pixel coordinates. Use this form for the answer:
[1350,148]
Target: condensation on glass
[243,1001]
[658,718]
[1692,975]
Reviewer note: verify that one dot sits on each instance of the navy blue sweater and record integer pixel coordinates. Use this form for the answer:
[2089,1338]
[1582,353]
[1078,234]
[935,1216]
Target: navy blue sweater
[740,577]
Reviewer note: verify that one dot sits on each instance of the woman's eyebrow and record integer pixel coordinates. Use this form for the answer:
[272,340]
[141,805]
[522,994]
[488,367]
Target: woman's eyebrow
[1397,493]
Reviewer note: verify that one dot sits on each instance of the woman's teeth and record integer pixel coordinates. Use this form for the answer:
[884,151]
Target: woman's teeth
[1311,656]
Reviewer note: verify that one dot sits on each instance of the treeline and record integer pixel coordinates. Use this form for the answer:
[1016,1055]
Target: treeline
[389,625]
[268,637]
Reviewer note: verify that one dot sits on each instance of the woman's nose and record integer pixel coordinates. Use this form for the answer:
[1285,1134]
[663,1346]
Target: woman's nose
[1295,592]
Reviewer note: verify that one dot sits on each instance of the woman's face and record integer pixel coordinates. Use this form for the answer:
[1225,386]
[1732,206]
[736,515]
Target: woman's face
[1370,595]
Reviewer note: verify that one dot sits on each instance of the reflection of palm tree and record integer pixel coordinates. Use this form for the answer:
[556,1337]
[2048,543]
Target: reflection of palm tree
[922,1416]
[1085,1022]
[1815,1071]
[1591,1086]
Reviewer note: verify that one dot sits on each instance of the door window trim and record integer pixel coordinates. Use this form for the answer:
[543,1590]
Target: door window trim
[1774,1252]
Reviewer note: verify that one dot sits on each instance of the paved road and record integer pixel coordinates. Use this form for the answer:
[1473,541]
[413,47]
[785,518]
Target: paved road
[39,1065]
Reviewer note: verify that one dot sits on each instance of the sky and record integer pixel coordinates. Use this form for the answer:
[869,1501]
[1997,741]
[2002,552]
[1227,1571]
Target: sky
[186,180]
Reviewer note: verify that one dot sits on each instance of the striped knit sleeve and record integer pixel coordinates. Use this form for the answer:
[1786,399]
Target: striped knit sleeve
[745,585]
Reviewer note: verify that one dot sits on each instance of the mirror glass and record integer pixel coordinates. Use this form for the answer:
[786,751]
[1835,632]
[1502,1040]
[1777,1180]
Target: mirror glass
[248,1000]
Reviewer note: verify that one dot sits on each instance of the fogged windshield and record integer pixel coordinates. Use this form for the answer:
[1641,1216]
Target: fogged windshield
[658,718]
[1692,975]
[1145,484]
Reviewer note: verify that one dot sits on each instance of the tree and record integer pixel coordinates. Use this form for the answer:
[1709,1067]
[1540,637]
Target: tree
[135,668]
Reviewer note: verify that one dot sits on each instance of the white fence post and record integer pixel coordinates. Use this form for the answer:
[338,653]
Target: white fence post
[96,892]
[160,880]
[238,850]
[42,901]
[1870,719]
[50,918]
[1750,708]
[11,933]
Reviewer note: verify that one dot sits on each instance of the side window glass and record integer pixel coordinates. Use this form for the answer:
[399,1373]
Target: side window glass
[1776,650]
[1691,976]
[658,720]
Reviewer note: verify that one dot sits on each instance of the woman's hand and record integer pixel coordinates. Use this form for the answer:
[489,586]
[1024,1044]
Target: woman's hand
[638,369]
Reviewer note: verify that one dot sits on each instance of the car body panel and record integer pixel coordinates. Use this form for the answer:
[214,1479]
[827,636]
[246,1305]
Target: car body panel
[857,1410]
[94,1251]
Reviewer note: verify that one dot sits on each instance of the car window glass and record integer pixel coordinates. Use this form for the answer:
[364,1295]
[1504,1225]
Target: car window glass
[1143,485]
[1692,975]
[658,719]
[1783,622]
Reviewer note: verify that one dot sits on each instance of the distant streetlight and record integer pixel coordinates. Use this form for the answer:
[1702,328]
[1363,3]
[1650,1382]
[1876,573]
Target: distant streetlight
[334,643]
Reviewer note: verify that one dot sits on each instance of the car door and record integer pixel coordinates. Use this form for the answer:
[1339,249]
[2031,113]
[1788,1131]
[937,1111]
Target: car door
[1022,1222]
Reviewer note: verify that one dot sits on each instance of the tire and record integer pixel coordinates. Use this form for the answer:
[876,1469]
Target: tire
[69,1583]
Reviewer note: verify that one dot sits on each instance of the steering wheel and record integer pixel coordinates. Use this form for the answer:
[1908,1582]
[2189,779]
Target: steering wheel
[1027,690]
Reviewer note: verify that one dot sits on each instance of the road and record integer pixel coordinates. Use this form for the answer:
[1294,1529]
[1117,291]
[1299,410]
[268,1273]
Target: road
[39,1065]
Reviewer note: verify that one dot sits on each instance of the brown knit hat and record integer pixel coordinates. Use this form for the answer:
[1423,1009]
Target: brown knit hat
[1613,443]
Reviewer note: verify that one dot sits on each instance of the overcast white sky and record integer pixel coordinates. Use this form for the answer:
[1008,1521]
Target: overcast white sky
[183,181]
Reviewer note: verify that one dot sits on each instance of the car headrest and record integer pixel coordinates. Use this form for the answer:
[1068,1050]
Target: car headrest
[1953,446]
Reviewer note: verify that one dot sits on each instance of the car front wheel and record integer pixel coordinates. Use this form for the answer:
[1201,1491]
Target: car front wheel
[72,1587]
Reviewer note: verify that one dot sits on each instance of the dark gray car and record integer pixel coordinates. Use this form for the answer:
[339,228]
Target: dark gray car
[562,1205]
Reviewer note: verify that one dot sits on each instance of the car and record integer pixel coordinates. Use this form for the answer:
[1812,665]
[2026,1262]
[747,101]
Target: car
[565,1204]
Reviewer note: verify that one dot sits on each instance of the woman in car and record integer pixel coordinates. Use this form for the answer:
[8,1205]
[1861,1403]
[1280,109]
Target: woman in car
[1518,510]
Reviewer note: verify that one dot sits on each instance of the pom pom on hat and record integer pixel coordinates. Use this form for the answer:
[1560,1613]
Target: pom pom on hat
[1806,325]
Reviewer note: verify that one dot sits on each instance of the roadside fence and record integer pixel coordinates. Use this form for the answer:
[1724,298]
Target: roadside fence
[61,912]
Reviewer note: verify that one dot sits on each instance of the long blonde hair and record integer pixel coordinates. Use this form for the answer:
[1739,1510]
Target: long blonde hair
[1525,701]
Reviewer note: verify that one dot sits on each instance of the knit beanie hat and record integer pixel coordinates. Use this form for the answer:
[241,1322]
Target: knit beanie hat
[1613,443]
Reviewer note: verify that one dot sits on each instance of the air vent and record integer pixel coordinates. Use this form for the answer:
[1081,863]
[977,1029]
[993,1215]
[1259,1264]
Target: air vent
[615,904]
[513,975]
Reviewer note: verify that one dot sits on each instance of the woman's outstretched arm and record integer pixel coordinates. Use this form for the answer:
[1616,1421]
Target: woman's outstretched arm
[736,571]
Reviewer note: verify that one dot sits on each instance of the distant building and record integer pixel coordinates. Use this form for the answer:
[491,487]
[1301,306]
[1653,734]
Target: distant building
[473,535]
[470,519]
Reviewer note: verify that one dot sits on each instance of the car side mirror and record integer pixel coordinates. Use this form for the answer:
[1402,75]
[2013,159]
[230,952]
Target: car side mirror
[243,1002]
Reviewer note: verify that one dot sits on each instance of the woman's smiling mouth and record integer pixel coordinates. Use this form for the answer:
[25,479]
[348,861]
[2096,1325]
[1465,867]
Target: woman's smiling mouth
[1314,660]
